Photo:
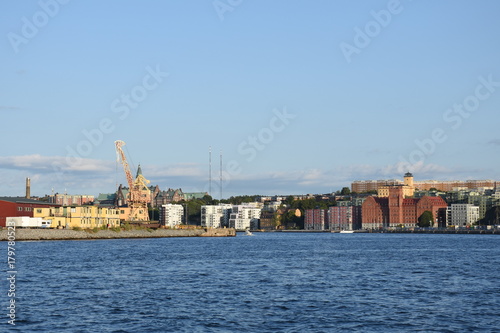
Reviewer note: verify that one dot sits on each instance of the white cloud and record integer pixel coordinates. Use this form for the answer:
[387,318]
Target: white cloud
[39,163]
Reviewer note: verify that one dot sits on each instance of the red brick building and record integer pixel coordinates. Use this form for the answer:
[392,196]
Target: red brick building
[18,206]
[344,217]
[315,219]
[396,210]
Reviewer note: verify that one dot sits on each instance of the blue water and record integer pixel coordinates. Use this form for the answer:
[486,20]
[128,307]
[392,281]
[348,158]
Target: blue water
[271,282]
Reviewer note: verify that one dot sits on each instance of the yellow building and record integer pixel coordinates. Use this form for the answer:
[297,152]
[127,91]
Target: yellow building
[86,217]
[408,187]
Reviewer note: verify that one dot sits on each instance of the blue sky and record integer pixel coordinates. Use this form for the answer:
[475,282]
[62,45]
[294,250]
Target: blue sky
[300,96]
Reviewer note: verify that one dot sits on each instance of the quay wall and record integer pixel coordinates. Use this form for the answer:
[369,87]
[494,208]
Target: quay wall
[64,234]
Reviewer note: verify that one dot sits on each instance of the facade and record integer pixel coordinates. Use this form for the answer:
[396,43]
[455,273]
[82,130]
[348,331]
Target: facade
[462,215]
[362,186]
[315,219]
[194,195]
[169,196]
[213,216]
[268,220]
[407,186]
[344,218]
[86,217]
[106,199]
[69,200]
[171,215]
[19,206]
[244,217]
[398,211]
[425,185]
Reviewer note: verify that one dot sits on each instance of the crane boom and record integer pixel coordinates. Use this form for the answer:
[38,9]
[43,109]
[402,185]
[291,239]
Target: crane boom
[121,155]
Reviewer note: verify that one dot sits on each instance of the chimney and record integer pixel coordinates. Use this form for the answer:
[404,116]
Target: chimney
[28,188]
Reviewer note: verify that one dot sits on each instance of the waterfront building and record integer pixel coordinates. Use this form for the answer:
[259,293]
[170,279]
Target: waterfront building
[171,215]
[462,215]
[344,217]
[19,206]
[244,217]
[215,216]
[268,220]
[315,219]
[398,211]
[86,217]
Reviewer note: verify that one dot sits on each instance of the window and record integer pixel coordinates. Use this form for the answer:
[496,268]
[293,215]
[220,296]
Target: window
[39,211]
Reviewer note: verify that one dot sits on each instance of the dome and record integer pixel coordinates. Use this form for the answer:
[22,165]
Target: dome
[408,174]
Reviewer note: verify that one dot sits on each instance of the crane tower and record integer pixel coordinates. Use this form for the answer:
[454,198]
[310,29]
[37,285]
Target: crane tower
[139,194]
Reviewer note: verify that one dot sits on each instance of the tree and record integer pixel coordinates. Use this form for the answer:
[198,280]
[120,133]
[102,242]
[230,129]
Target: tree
[425,220]
[345,191]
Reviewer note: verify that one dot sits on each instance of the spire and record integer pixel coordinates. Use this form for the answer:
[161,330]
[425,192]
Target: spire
[139,171]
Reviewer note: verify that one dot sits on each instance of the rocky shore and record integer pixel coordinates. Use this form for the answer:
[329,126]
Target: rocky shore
[63,234]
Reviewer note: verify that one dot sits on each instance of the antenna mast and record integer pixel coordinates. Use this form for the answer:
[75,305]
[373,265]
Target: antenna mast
[220,181]
[210,170]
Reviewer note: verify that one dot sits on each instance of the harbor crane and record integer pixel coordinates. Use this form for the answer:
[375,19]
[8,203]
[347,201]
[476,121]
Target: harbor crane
[139,195]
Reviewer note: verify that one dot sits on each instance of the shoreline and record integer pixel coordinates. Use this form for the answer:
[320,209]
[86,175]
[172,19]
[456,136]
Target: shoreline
[387,231]
[64,234]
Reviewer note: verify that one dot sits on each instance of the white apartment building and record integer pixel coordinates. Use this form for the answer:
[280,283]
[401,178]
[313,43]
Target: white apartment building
[462,215]
[244,217]
[171,215]
[215,216]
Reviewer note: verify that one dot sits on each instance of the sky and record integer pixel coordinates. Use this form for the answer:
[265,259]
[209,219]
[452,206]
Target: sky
[297,96]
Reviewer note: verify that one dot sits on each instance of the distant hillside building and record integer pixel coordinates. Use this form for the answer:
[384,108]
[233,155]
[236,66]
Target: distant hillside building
[408,187]
[106,199]
[68,200]
[396,210]
[361,186]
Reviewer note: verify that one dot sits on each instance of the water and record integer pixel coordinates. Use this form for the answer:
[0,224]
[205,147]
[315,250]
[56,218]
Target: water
[271,282]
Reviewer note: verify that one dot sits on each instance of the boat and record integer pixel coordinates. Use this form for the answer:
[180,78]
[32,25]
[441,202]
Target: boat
[346,231]
[248,232]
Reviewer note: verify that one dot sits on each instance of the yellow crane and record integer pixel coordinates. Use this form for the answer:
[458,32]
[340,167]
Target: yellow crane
[139,195]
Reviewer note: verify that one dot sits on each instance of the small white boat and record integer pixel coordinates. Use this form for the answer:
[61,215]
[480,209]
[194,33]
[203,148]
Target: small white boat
[346,231]
[248,232]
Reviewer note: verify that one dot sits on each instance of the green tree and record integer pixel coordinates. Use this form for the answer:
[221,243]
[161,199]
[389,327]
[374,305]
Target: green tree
[425,220]
[345,191]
